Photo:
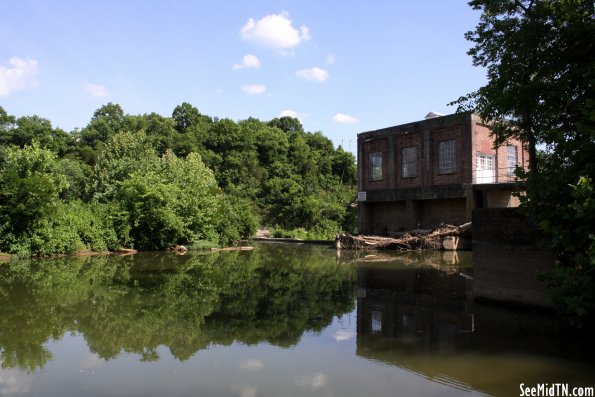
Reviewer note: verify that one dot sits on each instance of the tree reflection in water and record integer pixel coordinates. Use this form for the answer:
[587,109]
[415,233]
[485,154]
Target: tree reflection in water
[137,303]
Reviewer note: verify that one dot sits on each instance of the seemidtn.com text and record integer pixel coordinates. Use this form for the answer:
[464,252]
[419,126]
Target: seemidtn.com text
[555,390]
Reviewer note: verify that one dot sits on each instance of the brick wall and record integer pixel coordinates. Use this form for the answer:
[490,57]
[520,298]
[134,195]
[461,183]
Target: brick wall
[409,139]
[483,143]
[456,133]
[379,145]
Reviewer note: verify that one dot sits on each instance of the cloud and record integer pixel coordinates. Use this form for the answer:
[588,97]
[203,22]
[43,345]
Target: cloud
[18,76]
[96,91]
[252,365]
[254,89]
[343,335]
[314,74]
[13,382]
[289,113]
[248,61]
[314,382]
[245,391]
[274,31]
[330,59]
[92,361]
[344,119]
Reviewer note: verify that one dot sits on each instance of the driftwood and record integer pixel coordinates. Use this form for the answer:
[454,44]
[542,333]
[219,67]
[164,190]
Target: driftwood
[243,248]
[412,240]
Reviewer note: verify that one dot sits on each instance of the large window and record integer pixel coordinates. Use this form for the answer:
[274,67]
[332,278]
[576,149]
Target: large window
[447,157]
[485,169]
[375,166]
[511,159]
[409,162]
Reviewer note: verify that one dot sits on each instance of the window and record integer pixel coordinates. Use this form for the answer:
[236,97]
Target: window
[375,166]
[447,159]
[485,169]
[409,162]
[376,321]
[511,159]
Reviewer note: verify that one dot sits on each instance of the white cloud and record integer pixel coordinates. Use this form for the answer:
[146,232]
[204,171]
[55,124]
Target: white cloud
[96,91]
[289,113]
[252,365]
[248,61]
[18,76]
[14,382]
[344,119]
[92,361]
[274,31]
[343,335]
[254,89]
[330,59]
[314,382]
[314,74]
[245,391]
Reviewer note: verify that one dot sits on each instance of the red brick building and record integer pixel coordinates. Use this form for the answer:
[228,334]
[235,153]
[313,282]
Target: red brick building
[420,174]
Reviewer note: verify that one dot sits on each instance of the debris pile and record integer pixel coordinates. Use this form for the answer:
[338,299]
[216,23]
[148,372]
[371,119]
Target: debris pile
[404,241]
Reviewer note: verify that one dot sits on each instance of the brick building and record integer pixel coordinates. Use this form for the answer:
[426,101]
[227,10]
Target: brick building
[420,174]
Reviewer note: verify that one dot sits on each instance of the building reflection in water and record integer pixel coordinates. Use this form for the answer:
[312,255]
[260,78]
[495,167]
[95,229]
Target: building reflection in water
[410,305]
[416,311]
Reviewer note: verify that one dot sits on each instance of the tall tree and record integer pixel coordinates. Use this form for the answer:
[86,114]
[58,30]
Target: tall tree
[539,56]
[540,60]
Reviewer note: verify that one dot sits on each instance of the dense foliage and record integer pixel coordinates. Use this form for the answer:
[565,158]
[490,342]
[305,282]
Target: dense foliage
[540,59]
[150,182]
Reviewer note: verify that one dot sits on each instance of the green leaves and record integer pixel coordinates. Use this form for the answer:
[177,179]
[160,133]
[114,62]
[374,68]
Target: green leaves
[541,69]
[175,201]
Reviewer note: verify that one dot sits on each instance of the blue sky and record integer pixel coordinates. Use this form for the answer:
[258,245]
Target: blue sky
[342,67]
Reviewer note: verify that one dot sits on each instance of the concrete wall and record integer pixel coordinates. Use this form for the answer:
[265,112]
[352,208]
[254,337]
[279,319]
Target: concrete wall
[378,218]
[501,199]
[508,257]
[383,217]
[434,212]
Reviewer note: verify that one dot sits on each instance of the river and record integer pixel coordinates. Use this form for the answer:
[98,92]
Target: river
[281,320]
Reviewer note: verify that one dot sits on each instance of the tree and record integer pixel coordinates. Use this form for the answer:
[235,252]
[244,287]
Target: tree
[174,201]
[540,62]
[186,116]
[107,121]
[540,69]
[30,189]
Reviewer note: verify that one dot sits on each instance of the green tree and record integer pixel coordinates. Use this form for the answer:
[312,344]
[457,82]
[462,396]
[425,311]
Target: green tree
[541,70]
[174,201]
[30,192]
[123,155]
[107,121]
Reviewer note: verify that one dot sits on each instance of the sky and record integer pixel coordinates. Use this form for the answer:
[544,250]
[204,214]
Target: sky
[341,67]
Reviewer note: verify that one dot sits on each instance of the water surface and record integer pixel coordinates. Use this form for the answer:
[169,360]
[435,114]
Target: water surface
[281,320]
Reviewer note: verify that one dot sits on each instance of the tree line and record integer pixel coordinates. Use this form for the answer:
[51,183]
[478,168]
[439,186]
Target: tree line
[150,182]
